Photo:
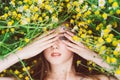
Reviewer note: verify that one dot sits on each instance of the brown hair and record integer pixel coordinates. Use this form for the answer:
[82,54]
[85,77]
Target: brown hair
[43,66]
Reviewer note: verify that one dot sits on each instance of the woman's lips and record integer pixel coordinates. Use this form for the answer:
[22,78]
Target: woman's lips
[55,54]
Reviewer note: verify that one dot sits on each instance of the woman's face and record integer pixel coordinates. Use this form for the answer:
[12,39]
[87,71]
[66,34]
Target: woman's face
[58,53]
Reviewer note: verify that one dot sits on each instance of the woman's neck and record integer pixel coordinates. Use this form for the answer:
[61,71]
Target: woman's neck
[63,70]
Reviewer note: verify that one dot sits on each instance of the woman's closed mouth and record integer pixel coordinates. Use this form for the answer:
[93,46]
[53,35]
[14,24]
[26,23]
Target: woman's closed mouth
[55,54]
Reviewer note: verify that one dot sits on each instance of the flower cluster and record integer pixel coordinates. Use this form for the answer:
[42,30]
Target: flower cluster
[96,23]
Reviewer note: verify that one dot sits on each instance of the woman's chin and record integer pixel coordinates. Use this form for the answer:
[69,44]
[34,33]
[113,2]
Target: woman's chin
[56,62]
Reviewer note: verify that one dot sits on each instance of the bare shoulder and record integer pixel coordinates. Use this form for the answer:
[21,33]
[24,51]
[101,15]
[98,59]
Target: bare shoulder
[7,78]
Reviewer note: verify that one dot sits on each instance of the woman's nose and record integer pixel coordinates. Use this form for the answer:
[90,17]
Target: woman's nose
[55,46]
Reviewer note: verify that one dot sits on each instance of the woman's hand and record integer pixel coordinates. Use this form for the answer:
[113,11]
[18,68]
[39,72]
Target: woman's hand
[84,52]
[38,45]
[78,47]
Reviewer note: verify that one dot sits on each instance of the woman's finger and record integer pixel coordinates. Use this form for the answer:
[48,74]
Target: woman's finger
[71,39]
[47,45]
[72,49]
[80,53]
[45,34]
[48,33]
[70,33]
[46,41]
[71,44]
[46,38]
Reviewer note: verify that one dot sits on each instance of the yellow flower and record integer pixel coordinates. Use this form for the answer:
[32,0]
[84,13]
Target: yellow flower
[113,60]
[97,28]
[68,6]
[87,40]
[7,30]
[6,8]
[20,75]
[36,1]
[19,15]
[28,20]
[25,1]
[78,15]
[104,15]
[102,70]
[26,78]
[108,59]
[48,7]
[72,21]
[89,62]
[13,3]
[93,64]
[44,29]
[55,3]
[108,39]
[76,38]
[115,5]
[36,9]
[14,13]
[1,75]
[35,61]
[106,31]
[5,16]
[5,71]
[44,14]
[54,19]
[62,4]
[77,9]
[115,53]
[83,35]
[117,71]
[12,30]
[89,21]
[20,2]
[40,19]
[89,68]
[30,2]
[10,23]
[111,36]
[28,67]
[67,25]
[16,72]
[100,40]
[67,0]
[114,43]
[9,13]
[114,24]
[89,31]
[88,12]
[25,7]
[78,62]
[24,69]
[75,3]
[3,31]
[118,11]
[110,1]
[26,40]
[103,48]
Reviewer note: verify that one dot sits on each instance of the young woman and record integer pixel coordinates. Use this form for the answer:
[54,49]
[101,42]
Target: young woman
[58,51]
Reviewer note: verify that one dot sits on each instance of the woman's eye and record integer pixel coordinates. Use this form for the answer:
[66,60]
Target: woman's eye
[62,38]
